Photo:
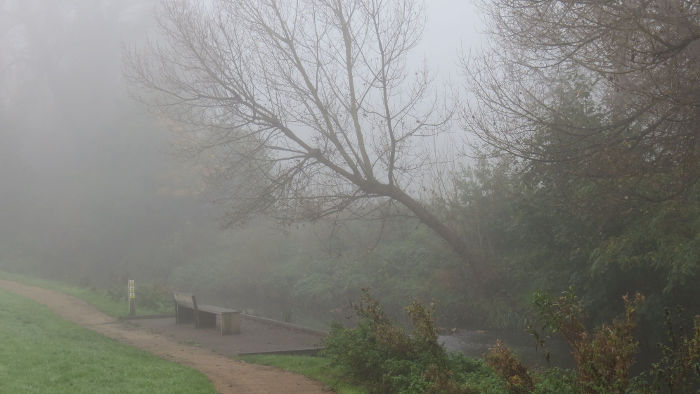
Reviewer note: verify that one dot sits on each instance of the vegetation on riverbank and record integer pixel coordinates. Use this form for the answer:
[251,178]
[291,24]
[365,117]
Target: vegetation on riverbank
[383,356]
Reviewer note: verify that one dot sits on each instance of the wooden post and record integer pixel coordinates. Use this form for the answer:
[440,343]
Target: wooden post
[132,298]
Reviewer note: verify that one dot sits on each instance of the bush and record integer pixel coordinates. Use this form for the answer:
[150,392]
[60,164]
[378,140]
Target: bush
[475,375]
[556,380]
[387,358]
[505,363]
[603,356]
[678,369]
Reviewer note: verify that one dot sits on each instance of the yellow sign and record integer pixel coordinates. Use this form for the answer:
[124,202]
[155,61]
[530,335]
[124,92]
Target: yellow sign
[132,293]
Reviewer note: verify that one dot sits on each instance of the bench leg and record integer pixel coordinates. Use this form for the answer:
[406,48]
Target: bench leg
[225,323]
[229,323]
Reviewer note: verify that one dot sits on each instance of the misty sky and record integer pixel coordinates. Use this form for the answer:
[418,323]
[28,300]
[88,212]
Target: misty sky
[84,170]
[452,26]
[64,57]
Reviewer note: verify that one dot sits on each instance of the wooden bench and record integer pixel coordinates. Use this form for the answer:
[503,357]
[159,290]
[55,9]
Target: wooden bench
[228,321]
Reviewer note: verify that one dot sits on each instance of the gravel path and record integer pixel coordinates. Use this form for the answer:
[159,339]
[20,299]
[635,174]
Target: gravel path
[228,376]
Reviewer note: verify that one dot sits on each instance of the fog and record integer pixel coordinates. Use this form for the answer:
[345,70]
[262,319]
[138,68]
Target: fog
[502,165]
[87,177]
[94,188]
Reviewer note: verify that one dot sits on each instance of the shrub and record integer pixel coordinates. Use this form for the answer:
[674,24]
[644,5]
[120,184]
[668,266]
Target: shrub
[678,369]
[475,375]
[556,380]
[518,380]
[504,362]
[603,356]
[386,357]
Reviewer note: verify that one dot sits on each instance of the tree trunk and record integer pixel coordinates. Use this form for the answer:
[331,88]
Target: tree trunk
[482,275]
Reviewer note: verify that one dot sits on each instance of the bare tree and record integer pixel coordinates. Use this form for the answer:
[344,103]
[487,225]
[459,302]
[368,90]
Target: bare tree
[310,103]
[613,84]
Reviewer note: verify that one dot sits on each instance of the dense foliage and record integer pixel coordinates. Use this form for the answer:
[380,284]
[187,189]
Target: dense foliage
[506,364]
[387,358]
[382,356]
[604,355]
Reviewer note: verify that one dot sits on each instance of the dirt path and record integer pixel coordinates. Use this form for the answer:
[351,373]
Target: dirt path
[228,376]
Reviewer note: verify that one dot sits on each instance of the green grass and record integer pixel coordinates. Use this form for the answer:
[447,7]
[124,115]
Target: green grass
[41,353]
[316,368]
[98,298]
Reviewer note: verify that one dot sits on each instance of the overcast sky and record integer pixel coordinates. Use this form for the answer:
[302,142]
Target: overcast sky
[74,151]
[452,25]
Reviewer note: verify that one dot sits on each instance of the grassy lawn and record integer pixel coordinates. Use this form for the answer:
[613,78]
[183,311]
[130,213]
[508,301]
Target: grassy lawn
[41,353]
[316,368]
[100,299]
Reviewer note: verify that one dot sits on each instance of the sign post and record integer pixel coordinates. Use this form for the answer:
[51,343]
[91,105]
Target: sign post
[132,298]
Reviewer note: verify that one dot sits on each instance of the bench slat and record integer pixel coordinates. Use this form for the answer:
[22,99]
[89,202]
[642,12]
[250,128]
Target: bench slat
[214,309]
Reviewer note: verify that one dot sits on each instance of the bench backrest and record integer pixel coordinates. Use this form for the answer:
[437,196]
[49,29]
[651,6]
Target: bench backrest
[185,299]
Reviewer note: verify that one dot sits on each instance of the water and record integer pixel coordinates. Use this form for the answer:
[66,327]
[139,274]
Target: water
[476,343]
